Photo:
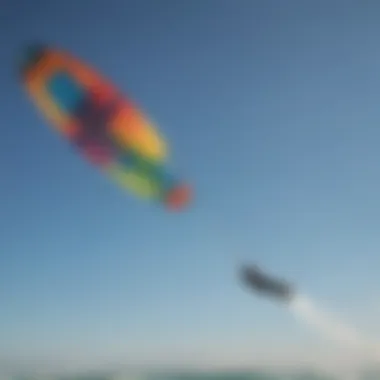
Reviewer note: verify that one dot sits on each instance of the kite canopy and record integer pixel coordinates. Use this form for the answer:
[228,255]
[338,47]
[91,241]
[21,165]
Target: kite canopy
[107,128]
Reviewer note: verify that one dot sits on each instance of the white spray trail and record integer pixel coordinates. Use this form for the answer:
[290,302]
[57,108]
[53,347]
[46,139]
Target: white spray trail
[332,328]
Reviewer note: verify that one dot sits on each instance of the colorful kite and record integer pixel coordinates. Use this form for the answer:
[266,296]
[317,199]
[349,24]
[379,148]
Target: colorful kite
[105,126]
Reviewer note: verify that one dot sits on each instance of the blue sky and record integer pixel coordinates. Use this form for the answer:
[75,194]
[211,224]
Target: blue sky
[272,113]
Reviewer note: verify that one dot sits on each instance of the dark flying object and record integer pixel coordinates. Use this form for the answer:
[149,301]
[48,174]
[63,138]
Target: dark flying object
[254,278]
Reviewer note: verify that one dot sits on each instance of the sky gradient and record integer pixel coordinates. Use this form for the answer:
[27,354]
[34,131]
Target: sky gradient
[272,112]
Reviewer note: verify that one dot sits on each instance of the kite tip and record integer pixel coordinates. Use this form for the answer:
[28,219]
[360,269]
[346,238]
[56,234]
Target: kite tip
[31,53]
[178,197]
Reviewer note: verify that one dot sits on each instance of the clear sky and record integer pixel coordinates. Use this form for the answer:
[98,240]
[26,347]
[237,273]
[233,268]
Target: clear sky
[272,111]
